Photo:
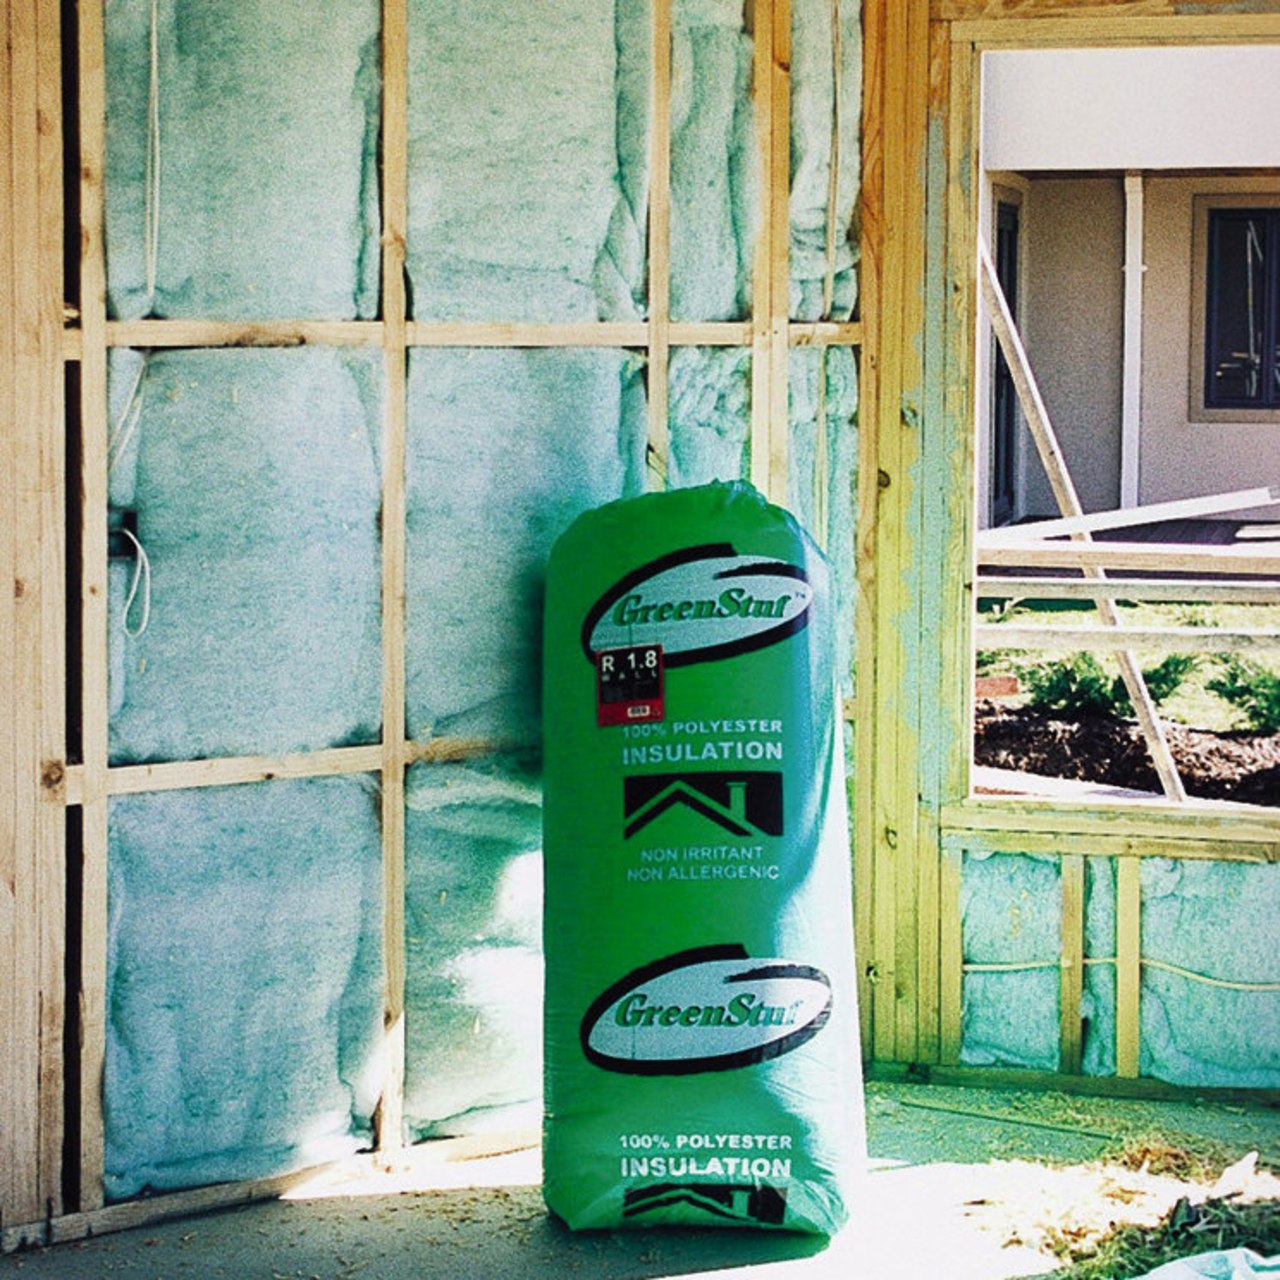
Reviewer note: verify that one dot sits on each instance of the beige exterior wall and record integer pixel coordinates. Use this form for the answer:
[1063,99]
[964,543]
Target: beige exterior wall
[1073,327]
[1179,457]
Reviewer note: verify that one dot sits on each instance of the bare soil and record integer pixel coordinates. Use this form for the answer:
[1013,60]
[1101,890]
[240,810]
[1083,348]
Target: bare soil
[1239,766]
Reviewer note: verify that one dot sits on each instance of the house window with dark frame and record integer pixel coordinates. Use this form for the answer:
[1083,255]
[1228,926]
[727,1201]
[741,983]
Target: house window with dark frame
[1242,310]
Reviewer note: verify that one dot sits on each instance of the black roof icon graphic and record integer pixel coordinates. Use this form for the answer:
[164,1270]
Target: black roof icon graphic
[746,805]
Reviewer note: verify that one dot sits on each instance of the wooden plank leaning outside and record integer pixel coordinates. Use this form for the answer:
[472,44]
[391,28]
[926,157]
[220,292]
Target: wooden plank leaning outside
[1179,590]
[1154,557]
[1152,513]
[1069,503]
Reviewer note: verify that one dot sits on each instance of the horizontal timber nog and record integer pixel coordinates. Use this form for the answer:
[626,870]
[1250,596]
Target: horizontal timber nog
[701,1029]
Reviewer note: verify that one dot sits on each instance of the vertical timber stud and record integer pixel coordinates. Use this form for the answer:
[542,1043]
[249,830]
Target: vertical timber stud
[48,416]
[897,448]
[942,525]
[779,235]
[18,1195]
[395,203]
[887,323]
[871,207]
[951,958]
[1071,987]
[760,13]
[32,855]
[1128,966]
[911,546]
[660,249]
[93,534]
[955,311]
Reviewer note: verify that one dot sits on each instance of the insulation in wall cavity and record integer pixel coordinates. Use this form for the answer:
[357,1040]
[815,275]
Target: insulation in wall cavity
[241,176]
[528,159]
[826,113]
[1098,999]
[1217,920]
[1210,995]
[473,909]
[1210,986]
[1011,910]
[244,989]
[715,169]
[709,415]
[505,449]
[245,582]
[822,463]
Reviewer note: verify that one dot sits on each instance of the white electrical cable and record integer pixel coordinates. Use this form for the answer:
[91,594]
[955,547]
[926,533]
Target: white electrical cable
[141,576]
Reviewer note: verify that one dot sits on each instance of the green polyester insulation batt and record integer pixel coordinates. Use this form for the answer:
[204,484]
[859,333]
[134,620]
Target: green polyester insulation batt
[701,1023]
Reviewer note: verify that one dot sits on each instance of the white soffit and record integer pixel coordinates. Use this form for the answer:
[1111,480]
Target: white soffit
[1207,106]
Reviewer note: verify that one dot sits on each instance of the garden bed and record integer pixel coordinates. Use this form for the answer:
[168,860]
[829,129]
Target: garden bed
[1236,765]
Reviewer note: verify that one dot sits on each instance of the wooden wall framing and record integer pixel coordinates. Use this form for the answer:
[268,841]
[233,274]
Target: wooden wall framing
[914,819]
[51,1100]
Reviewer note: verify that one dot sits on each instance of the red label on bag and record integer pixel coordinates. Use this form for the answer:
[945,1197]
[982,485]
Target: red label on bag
[629,685]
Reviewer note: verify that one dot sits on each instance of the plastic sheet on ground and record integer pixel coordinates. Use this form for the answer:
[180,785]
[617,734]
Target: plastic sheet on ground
[1230,1264]
[244,981]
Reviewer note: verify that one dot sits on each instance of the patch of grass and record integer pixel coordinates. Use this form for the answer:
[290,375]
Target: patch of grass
[1185,1231]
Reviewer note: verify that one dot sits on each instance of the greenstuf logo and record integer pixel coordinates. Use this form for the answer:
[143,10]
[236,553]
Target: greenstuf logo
[701,604]
[736,602]
[706,1009]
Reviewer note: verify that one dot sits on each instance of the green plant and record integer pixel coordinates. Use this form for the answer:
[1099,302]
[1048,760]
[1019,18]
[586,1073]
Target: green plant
[1162,681]
[1167,676]
[1077,685]
[1253,690]
[987,661]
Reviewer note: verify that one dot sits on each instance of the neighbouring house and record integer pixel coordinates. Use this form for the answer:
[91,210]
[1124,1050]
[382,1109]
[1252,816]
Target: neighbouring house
[1131,198]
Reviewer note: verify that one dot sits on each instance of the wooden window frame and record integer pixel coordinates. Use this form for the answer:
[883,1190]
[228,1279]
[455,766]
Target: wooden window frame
[921,818]
[1072,830]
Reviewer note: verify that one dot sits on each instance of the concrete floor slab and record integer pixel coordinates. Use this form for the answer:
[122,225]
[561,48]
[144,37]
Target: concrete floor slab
[964,1184]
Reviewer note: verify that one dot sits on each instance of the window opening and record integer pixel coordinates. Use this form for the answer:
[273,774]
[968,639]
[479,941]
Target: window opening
[1019,618]
[1004,408]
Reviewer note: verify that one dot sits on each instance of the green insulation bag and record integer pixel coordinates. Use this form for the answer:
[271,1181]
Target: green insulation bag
[702,1061]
